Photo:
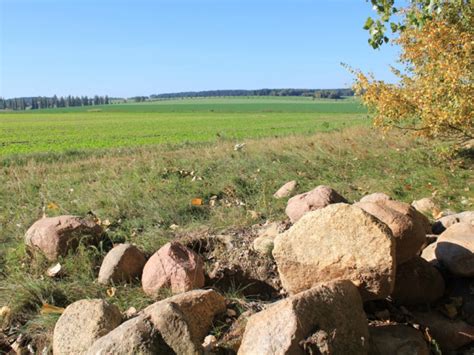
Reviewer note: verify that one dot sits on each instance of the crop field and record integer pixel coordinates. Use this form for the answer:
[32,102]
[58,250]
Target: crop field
[177,121]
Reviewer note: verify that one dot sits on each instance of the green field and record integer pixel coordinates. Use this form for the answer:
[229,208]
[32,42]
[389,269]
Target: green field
[171,121]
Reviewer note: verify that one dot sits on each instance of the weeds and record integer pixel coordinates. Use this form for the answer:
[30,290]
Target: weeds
[141,196]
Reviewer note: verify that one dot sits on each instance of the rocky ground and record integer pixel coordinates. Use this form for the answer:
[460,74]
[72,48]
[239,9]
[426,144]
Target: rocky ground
[377,276]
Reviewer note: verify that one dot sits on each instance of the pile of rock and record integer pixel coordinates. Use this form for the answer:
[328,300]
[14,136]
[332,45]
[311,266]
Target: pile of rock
[176,325]
[357,278]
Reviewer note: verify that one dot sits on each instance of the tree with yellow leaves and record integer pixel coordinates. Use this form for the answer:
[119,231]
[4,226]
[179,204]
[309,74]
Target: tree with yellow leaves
[435,93]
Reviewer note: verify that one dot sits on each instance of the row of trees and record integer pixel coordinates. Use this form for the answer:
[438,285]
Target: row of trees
[33,103]
[322,93]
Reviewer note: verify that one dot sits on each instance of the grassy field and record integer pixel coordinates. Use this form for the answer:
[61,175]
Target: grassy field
[143,190]
[171,122]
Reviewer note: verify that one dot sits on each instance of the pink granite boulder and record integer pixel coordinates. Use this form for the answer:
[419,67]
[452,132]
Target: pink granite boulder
[320,197]
[174,267]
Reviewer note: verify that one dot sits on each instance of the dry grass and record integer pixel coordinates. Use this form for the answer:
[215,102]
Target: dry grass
[145,190]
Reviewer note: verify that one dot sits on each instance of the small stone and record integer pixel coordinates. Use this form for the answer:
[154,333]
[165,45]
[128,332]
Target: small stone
[130,313]
[5,313]
[375,197]
[320,197]
[54,270]
[231,313]
[209,343]
[429,255]
[123,263]
[426,206]
[264,245]
[286,190]
[445,222]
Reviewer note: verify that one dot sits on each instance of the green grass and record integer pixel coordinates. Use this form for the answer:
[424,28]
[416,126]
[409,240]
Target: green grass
[142,190]
[171,122]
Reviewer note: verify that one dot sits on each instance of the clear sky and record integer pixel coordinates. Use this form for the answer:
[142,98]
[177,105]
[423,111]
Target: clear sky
[142,47]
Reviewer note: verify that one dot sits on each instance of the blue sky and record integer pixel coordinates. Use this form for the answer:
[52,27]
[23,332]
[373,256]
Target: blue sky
[142,47]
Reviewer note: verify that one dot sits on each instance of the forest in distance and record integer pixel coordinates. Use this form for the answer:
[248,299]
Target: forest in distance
[42,102]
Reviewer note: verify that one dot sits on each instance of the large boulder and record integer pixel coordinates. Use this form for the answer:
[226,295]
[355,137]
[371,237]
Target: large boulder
[328,317]
[448,334]
[455,249]
[462,290]
[173,267]
[82,323]
[135,336]
[124,262]
[417,282]
[397,339]
[171,323]
[185,319]
[286,190]
[320,197]
[408,226]
[335,243]
[445,222]
[55,236]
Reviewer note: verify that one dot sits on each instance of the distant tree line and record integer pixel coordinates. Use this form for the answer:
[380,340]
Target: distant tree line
[39,102]
[319,93]
[139,98]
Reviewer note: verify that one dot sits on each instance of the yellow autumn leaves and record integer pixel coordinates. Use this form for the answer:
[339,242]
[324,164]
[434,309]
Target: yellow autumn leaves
[435,93]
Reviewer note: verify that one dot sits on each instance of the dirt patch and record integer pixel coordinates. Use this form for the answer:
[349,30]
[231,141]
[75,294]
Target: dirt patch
[233,266]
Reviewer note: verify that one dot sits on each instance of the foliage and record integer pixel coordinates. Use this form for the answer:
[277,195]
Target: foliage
[434,94]
[419,13]
[42,102]
[261,92]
